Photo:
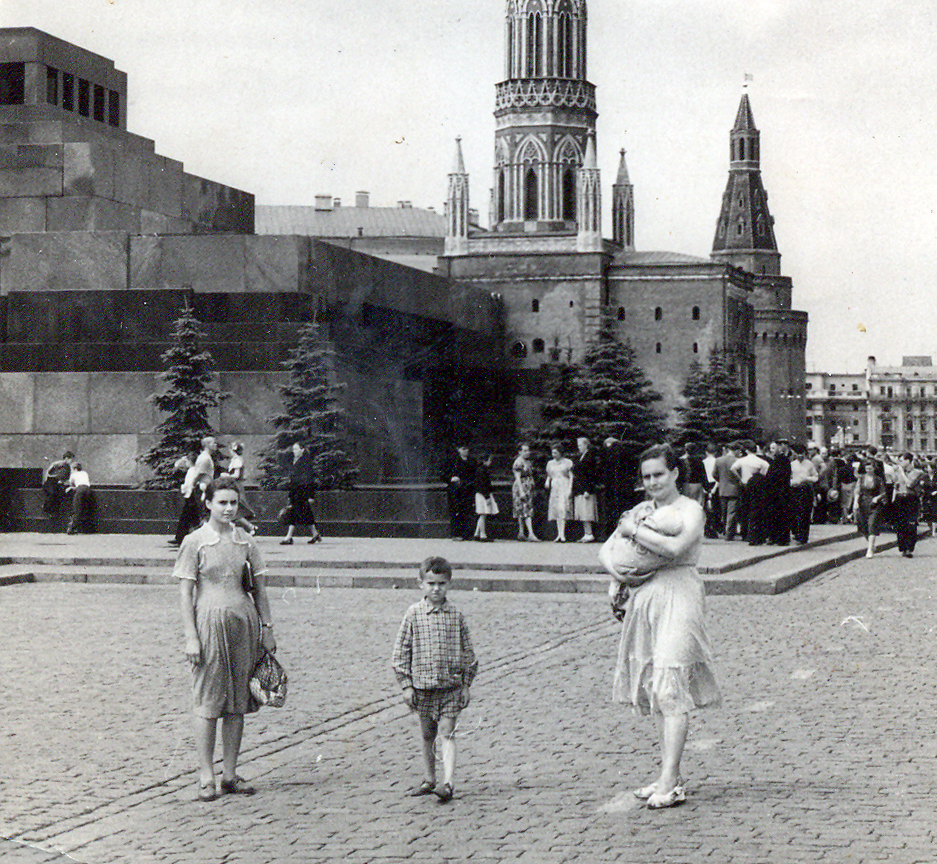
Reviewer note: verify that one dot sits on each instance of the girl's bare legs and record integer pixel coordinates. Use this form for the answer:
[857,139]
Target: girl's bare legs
[520,527]
[290,531]
[530,528]
[871,550]
[232,728]
[561,530]
[205,747]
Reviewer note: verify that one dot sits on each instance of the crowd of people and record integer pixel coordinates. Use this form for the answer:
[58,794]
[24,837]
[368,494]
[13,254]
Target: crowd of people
[758,493]
[66,477]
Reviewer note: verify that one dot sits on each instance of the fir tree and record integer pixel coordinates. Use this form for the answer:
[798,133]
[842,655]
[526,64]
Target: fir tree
[716,407]
[187,401]
[312,417]
[606,395]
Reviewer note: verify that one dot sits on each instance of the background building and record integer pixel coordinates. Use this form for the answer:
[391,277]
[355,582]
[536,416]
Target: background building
[887,406]
[102,240]
[544,252]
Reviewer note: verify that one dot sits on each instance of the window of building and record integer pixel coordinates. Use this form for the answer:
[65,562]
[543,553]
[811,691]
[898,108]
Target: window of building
[537,346]
[696,347]
[658,314]
[530,195]
[569,195]
[84,98]
[68,91]
[855,387]
[52,85]
[658,348]
[621,313]
[740,228]
[98,103]
[500,196]
[113,108]
[571,304]
[696,313]
[12,83]
[534,305]
[890,392]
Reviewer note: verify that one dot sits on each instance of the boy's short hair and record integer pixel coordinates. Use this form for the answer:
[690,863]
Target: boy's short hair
[437,565]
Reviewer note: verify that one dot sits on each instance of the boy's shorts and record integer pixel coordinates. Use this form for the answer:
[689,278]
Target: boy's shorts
[437,703]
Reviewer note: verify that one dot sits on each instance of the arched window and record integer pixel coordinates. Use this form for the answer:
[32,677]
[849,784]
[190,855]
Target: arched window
[741,148]
[537,346]
[696,347]
[500,196]
[621,313]
[658,314]
[531,210]
[565,60]
[696,313]
[534,45]
[658,348]
[534,305]
[569,195]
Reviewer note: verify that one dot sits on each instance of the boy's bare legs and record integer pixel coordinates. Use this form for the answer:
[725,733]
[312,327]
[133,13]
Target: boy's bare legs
[428,729]
[447,736]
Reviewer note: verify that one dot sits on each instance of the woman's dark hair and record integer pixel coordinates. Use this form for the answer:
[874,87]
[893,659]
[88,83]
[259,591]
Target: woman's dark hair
[660,451]
[557,446]
[220,483]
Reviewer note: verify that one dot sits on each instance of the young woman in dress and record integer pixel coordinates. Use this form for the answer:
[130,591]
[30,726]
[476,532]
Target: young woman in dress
[522,493]
[560,483]
[665,664]
[223,632]
[302,492]
[869,501]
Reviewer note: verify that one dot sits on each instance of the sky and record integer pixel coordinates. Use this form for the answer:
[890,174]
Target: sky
[292,98]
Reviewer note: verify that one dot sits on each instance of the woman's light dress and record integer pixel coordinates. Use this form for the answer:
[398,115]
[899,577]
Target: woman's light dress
[560,478]
[225,617]
[664,660]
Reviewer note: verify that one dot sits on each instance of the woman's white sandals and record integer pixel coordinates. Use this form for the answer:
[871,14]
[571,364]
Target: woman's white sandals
[646,792]
[674,796]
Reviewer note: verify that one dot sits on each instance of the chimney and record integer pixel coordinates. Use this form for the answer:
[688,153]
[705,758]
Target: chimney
[323,202]
[337,203]
[405,205]
[362,199]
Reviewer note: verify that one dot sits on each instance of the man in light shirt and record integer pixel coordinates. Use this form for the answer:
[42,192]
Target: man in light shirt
[196,479]
[83,501]
[804,477]
[751,470]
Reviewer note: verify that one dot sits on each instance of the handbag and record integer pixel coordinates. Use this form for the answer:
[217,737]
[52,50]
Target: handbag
[268,682]
[247,580]
[285,516]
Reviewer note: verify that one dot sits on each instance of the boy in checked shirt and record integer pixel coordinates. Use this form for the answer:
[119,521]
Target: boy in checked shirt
[435,664]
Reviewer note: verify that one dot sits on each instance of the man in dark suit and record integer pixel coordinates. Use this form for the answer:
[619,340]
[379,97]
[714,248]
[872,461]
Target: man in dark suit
[461,480]
[778,493]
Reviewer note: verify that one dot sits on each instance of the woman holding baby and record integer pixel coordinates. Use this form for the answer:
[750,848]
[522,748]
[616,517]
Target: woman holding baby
[664,665]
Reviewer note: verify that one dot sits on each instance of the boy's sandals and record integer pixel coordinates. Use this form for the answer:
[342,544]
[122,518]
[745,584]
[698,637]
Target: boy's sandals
[425,788]
[443,792]
[658,801]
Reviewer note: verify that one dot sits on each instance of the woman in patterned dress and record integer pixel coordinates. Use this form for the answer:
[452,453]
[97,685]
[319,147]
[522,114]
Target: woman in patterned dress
[223,632]
[522,493]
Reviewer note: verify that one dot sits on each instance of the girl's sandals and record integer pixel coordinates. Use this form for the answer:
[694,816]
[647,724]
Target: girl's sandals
[646,792]
[658,801]
[206,790]
[443,792]
[427,787]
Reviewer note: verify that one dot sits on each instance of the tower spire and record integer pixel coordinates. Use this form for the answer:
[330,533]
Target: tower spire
[623,207]
[589,204]
[745,229]
[457,229]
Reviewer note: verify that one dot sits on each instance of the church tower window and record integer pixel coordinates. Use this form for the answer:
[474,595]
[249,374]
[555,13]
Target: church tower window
[696,312]
[569,195]
[658,314]
[531,210]
[534,305]
[500,214]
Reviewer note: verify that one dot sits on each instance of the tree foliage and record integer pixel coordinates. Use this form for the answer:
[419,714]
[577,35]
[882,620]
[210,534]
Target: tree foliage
[190,395]
[607,395]
[312,416]
[716,408]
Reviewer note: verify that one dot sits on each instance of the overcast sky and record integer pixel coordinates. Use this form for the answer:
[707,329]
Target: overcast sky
[290,98]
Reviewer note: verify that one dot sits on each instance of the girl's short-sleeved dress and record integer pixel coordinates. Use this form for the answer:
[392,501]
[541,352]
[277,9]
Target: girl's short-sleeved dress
[522,490]
[665,663]
[560,475]
[225,617]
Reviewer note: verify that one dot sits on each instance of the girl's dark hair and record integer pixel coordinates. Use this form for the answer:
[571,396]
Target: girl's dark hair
[220,483]
[557,446]
[660,451]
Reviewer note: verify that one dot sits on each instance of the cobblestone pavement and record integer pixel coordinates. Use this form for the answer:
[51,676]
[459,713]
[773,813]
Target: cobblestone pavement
[824,748]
